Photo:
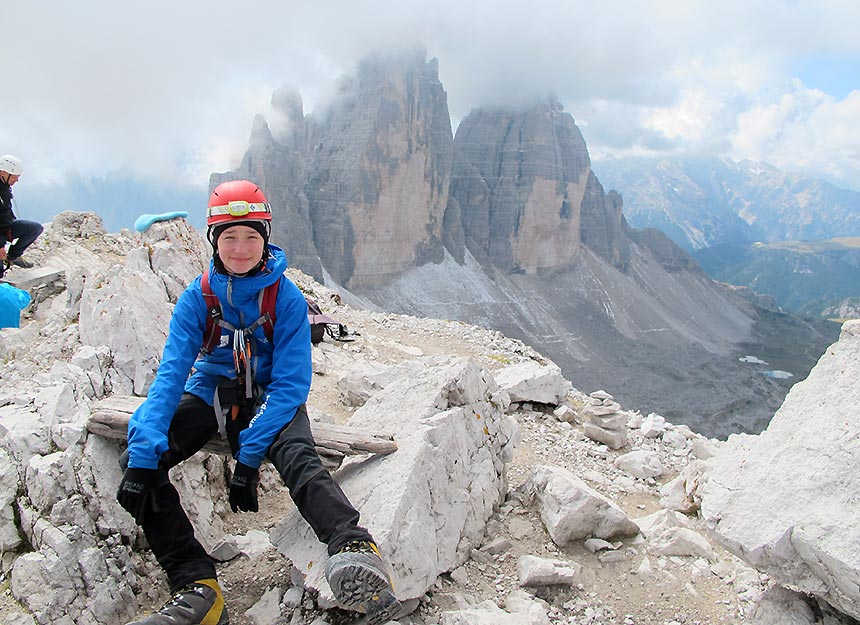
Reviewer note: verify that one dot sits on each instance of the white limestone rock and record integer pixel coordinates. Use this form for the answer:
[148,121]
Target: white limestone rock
[532,382]
[681,541]
[616,420]
[363,380]
[532,611]
[293,597]
[614,439]
[56,403]
[94,362]
[130,315]
[485,613]
[659,521]
[601,395]
[598,544]
[684,492]
[785,501]
[571,510]
[675,439]
[565,414]
[177,254]
[68,574]
[50,479]
[780,606]
[253,544]
[427,503]
[535,571]
[10,538]
[23,433]
[267,610]
[641,463]
[653,426]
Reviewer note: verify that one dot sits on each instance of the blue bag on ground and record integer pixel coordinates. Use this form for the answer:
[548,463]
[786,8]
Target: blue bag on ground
[12,302]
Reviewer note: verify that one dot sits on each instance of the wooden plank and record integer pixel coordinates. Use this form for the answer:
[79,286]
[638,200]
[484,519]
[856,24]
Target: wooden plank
[333,442]
[28,278]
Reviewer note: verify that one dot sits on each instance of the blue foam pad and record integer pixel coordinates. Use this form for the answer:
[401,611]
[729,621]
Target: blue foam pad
[143,223]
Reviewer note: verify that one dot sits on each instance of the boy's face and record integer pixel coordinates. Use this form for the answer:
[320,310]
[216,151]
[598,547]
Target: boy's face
[240,248]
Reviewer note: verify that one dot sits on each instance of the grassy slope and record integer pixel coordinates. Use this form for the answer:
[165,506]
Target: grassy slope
[804,277]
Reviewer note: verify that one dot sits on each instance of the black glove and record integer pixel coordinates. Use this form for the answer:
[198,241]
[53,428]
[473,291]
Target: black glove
[243,488]
[137,491]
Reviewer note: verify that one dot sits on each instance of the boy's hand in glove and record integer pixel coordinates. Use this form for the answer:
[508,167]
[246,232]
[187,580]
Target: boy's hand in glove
[243,488]
[137,491]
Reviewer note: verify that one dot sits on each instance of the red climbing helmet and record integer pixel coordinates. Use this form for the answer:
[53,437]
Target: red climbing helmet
[237,200]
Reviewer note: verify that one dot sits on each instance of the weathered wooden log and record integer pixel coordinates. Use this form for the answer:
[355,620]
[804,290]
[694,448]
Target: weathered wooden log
[333,442]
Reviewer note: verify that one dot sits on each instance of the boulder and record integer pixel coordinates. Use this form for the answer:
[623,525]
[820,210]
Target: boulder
[531,381]
[684,492]
[426,504]
[23,433]
[785,501]
[660,521]
[641,463]
[522,612]
[681,541]
[535,571]
[571,510]
[780,606]
[9,480]
[130,314]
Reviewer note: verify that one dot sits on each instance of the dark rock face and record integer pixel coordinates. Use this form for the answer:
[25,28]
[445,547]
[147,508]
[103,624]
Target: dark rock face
[665,251]
[526,192]
[361,189]
[278,168]
[380,163]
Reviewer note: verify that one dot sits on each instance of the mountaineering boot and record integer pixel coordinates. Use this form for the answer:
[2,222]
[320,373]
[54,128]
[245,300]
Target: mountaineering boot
[359,580]
[20,262]
[199,603]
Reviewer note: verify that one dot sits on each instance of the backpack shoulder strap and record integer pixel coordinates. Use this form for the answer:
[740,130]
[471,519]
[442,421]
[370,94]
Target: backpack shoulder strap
[267,308]
[212,333]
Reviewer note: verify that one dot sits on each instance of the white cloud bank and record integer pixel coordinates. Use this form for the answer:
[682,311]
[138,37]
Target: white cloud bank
[170,88]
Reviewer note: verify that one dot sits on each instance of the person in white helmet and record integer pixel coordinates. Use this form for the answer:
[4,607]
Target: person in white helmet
[21,231]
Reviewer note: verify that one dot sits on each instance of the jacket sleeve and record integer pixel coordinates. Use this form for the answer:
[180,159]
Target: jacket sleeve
[291,376]
[147,428]
[6,214]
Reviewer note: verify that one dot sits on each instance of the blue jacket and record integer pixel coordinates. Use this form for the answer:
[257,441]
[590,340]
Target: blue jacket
[282,367]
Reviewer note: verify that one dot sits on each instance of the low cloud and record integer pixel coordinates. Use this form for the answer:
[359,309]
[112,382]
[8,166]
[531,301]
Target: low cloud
[171,89]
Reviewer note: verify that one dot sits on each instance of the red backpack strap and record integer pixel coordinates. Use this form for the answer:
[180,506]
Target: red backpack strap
[267,308]
[212,333]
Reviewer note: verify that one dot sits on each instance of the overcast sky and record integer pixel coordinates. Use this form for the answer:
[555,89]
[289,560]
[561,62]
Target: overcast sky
[170,88]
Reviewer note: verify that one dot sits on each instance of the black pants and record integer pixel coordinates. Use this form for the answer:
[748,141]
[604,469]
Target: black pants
[25,232]
[317,496]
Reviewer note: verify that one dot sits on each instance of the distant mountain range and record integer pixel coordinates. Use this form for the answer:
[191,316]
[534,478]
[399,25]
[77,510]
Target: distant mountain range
[707,201]
[118,198]
[750,224]
[814,278]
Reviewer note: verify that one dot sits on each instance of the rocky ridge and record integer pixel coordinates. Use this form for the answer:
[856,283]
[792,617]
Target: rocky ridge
[563,529]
